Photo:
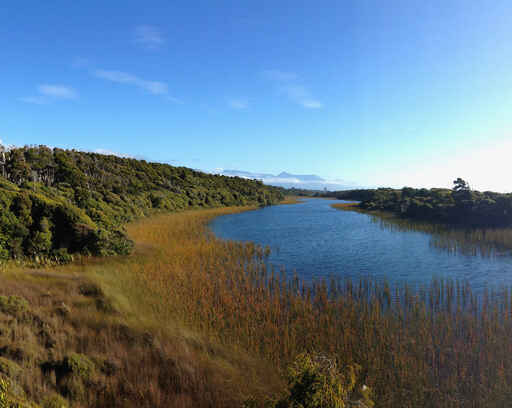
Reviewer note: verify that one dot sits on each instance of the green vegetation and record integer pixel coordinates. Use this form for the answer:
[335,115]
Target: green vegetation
[55,203]
[459,220]
[317,382]
[459,206]
[302,192]
[137,352]
[487,242]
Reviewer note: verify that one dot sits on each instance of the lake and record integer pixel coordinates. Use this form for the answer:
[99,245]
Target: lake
[316,241]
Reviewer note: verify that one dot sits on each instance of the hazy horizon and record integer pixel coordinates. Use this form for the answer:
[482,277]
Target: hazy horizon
[411,95]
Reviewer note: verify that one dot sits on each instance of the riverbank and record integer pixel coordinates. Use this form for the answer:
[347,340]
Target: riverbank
[130,321]
[189,320]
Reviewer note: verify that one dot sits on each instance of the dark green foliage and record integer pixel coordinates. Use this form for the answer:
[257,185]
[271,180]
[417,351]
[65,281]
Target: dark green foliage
[74,374]
[55,203]
[316,381]
[351,195]
[77,365]
[303,192]
[460,206]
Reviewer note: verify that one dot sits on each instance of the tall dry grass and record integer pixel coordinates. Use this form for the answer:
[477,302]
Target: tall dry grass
[196,321]
[435,346]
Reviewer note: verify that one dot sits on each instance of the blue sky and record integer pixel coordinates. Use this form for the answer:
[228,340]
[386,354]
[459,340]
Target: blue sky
[380,93]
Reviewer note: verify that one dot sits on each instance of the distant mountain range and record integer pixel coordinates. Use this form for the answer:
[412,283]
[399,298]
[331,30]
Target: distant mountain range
[288,180]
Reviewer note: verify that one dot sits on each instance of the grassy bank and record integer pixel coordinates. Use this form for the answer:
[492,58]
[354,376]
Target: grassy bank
[188,320]
[130,317]
[292,200]
[346,206]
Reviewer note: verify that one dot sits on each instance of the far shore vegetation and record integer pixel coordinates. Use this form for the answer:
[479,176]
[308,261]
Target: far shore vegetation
[291,199]
[487,238]
[460,206]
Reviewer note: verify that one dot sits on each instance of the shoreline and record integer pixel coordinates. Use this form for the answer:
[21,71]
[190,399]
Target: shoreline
[141,295]
[208,315]
[487,242]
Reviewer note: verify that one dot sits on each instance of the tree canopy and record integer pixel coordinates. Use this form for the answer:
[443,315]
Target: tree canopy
[460,205]
[58,202]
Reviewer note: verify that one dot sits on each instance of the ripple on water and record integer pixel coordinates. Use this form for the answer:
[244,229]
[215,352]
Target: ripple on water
[318,241]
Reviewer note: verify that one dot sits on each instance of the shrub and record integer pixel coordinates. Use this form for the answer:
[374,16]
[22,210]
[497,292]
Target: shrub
[90,290]
[74,374]
[13,305]
[316,382]
[78,365]
[9,368]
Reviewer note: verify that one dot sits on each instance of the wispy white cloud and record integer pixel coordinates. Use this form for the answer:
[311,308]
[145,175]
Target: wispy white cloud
[173,99]
[288,84]
[36,100]
[238,104]
[49,93]
[153,87]
[299,95]
[149,37]
[57,91]
[309,181]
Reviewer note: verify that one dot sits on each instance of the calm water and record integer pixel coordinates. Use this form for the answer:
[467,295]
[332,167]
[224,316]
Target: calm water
[317,241]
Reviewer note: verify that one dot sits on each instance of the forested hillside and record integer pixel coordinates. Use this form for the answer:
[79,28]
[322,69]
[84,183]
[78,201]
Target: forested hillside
[55,202]
[460,205]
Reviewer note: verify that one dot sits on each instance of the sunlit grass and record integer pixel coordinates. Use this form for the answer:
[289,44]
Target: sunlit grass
[292,200]
[346,206]
[223,325]
[148,334]
[418,346]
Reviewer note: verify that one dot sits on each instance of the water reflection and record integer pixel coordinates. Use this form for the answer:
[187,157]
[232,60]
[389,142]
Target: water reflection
[487,242]
[317,242]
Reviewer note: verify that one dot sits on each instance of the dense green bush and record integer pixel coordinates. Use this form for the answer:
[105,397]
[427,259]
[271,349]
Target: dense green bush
[55,203]
[315,381]
[74,375]
[458,206]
